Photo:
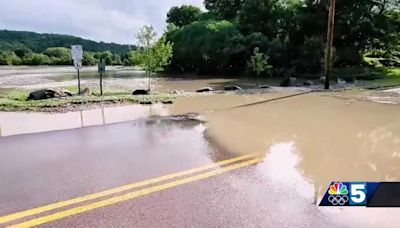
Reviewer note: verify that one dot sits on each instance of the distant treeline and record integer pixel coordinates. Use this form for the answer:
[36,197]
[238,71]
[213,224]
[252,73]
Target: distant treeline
[29,48]
[291,33]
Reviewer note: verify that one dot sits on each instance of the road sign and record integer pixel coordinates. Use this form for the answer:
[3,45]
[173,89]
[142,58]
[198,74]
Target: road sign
[101,68]
[77,56]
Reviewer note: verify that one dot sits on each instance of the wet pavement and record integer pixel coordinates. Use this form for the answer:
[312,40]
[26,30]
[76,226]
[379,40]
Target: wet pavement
[305,142]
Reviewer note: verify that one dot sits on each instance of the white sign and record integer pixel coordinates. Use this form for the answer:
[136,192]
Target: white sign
[77,56]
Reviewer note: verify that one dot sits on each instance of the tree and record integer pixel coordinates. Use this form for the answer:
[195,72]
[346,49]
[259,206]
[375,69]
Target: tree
[116,59]
[21,52]
[258,16]
[152,55]
[36,59]
[183,15]
[224,9]
[204,47]
[9,58]
[88,59]
[59,55]
[107,57]
[258,63]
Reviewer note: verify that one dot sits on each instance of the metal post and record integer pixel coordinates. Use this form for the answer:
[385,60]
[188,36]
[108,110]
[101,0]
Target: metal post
[79,83]
[101,84]
[329,43]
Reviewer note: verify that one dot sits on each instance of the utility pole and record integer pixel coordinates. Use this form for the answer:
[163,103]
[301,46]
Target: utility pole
[329,43]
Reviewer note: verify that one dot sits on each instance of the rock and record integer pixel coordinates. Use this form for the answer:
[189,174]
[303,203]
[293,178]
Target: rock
[204,89]
[174,92]
[140,92]
[48,93]
[322,80]
[264,86]
[85,92]
[288,82]
[232,88]
[349,79]
[167,102]
[145,102]
[340,81]
[308,83]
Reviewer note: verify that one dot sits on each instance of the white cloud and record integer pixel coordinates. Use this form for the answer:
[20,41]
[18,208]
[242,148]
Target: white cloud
[101,20]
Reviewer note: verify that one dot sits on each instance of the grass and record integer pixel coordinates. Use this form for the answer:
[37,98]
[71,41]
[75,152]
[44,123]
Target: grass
[16,100]
[376,76]
[391,79]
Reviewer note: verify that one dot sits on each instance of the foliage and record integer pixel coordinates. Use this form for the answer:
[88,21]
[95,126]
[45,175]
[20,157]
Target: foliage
[59,55]
[291,32]
[258,16]
[36,42]
[152,55]
[88,59]
[202,46]
[223,9]
[9,58]
[26,48]
[36,59]
[258,62]
[183,15]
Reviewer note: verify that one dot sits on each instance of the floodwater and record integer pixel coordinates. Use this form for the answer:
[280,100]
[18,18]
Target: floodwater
[335,138]
[116,77]
[308,141]
[16,123]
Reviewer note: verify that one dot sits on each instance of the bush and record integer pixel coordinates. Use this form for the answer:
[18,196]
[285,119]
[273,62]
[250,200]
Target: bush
[36,59]
[9,58]
[203,47]
[310,58]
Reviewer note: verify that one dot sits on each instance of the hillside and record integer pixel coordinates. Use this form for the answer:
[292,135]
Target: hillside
[10,40]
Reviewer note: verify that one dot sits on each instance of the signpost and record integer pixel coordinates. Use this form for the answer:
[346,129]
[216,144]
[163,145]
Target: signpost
[101,70]
[77,56]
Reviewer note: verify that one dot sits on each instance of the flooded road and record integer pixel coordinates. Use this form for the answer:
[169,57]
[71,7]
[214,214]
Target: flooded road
[305,141]
[361,137]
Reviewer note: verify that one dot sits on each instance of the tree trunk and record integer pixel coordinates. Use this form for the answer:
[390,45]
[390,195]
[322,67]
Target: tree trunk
[148,75]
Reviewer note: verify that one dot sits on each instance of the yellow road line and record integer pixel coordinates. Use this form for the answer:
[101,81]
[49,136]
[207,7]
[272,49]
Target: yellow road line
[132,195]
[29,212]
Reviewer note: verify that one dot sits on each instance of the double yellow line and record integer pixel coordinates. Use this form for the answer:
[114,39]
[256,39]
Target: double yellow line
[216,169]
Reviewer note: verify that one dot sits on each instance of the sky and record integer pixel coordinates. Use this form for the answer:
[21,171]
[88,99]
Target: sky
[100,20]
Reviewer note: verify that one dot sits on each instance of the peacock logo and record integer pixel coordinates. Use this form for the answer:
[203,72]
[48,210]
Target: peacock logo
[338,194]
[338,188]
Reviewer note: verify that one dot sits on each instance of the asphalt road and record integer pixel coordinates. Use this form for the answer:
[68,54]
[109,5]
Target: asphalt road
[153,174]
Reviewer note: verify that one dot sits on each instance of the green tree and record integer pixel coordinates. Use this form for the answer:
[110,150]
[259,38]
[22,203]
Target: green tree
[116,59]
[88,59]
[21,52]
[36,59]
[258,16]
[107,57]
[183,15]
[204,47]
[258,63]
[152,55]
[224,9]
[9,58]
[59,55]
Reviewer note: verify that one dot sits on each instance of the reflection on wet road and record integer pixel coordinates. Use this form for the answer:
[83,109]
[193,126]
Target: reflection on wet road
[304,142]
[15,123]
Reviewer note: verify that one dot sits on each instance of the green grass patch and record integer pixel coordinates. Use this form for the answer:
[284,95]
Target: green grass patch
[15,100]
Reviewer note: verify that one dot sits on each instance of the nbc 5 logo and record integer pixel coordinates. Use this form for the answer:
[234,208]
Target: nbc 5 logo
[358,194]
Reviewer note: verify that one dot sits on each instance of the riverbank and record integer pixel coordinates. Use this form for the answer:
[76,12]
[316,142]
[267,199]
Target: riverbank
[16,100]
